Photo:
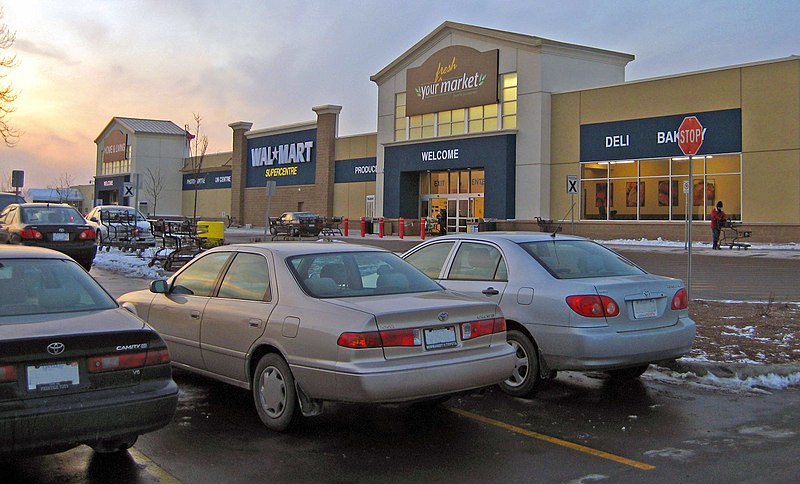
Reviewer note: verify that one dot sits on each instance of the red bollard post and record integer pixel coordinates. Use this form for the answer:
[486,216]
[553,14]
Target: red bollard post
[380,228]
[401,229]
[422,228]
[363,226]
[346,226]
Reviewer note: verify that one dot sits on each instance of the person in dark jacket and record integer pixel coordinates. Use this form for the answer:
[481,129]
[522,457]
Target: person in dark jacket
[717,222]
[441,218]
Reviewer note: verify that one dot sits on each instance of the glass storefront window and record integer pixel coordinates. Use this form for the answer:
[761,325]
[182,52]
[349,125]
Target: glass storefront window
[400,117]
[439,182]
[453,178]
[652,189]
[476,181]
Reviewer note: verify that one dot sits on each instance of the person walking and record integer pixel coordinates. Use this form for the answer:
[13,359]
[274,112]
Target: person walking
[717,222]
[441,218]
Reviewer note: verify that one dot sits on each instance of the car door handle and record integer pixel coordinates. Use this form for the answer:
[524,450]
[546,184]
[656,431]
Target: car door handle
[490,291]
[195,314]
[256,323]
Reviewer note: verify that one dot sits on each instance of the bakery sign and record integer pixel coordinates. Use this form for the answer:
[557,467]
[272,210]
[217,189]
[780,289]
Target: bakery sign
[452,78]
[115,146]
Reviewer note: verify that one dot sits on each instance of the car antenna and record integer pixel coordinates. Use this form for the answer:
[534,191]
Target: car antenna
[558,229]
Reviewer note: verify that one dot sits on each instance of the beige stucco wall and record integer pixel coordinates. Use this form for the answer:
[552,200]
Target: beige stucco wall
[768,94]
[349,199]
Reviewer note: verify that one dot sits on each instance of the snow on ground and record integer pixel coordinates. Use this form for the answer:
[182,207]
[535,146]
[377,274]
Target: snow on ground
[130,264]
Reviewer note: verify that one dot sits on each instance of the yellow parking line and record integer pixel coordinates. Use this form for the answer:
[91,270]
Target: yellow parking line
[554,440]
[152,468]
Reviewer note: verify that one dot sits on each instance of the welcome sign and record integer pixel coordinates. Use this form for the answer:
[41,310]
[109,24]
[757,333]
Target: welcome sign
[452,78]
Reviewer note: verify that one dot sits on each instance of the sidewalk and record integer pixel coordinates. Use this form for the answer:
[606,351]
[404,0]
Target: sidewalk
[781,251]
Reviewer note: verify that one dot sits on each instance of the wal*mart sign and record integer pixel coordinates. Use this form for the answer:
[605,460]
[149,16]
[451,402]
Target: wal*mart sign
[286,158]
[690,135]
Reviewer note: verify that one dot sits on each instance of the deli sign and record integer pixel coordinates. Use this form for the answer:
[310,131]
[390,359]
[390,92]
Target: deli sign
[452,78]
[115,146]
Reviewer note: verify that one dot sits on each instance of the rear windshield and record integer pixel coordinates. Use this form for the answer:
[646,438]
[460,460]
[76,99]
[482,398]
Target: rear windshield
[52,215]
[576,259]
[40,286]
[350,274]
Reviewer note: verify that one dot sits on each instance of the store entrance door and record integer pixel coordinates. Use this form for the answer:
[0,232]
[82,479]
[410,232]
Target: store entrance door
[463,210]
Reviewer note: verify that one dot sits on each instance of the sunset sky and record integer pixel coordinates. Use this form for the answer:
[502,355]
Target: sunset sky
[269,62]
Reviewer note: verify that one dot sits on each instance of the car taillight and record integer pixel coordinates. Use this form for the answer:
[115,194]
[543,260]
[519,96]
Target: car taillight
[681,299]
[99,364]
[31,234]
[87,234]
[135,232]
[474,329]
[593,306]
[377,339]
[8,373]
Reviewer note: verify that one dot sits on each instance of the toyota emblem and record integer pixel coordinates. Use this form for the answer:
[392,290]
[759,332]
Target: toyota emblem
[55,348]
[443,316]
[646,294]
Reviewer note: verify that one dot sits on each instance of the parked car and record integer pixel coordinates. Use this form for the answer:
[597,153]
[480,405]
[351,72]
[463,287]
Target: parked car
[8,198]
[117,224]
[570,303]
[298,324]
[75,368]
[296,224]
[51,225]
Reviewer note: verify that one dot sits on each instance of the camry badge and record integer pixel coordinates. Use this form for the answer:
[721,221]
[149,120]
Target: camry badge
[55,348]
[443,316]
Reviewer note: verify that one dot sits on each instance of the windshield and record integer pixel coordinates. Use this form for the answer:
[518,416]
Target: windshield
[40,286]
[52,214]
[576,259]
[350,274]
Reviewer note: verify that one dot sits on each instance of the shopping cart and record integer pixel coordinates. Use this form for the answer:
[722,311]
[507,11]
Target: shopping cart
[731,234]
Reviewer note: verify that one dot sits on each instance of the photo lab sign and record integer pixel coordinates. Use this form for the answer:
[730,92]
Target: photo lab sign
[452,78]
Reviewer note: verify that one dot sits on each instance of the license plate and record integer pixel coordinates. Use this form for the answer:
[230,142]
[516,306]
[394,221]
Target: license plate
[58,376]
[644,308]
[436,338]
[59,237]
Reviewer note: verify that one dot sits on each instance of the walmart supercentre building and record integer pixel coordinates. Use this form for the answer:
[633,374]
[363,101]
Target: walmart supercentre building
[502,127]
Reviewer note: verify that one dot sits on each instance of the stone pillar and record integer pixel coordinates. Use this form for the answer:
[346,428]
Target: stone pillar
[327,129]
[239,168]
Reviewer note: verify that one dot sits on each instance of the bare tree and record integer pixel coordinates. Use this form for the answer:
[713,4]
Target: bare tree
[198,144]
[5,182]
[7,94]
[154,184]
[62,186]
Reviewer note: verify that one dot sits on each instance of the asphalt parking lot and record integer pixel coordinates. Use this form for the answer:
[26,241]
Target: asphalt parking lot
[580,428]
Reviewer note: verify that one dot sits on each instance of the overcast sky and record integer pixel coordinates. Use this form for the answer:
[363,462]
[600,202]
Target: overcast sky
[269,62]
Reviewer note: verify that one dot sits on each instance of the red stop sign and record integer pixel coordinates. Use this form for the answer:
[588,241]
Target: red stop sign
[690,135]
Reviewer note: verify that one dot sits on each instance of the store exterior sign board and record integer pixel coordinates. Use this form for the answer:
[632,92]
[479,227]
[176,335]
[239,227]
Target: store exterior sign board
[452,78]
[637,139]
[287,158]
[115,146]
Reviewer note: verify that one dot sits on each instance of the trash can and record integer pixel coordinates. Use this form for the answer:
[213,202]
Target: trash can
[487,226]
[211,234]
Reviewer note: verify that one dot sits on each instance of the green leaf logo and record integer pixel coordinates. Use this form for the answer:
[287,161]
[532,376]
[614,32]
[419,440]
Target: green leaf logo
[418,90]
[482,80]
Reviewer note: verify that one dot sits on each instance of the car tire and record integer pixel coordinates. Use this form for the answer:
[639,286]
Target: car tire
[274,393]
[627,373]
[525,379]
[114,445]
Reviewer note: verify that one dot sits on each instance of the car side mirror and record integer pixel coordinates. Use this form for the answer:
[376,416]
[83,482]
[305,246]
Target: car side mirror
[159,286]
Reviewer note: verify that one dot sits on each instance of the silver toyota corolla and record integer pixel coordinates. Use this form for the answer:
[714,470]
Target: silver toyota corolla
[300,323]
[570,303]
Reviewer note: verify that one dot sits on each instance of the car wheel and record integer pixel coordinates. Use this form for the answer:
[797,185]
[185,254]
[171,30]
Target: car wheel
[117,444]
[274,393]
[627,373]
[524,381]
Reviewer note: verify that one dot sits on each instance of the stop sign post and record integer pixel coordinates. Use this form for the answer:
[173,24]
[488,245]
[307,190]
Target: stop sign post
[690,139]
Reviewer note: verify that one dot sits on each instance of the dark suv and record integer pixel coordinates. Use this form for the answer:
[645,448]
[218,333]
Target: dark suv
[296,224]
